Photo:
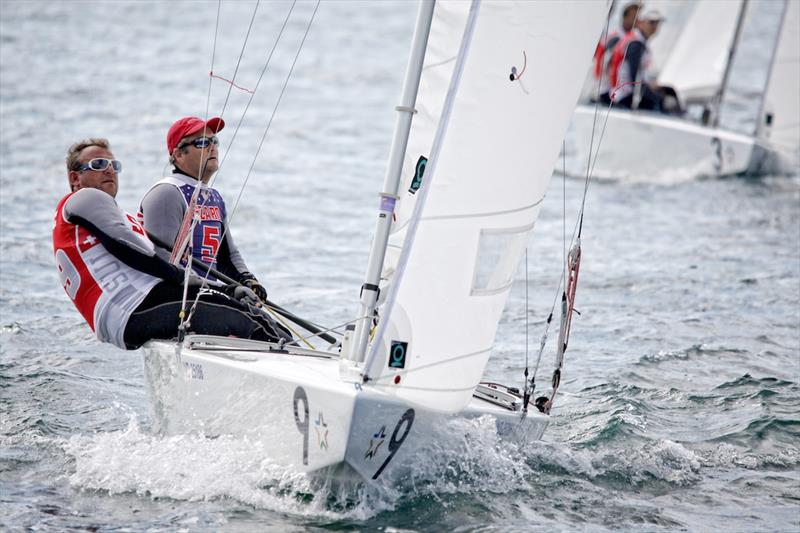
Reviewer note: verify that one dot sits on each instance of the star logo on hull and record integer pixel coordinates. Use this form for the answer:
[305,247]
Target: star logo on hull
[375,443]
[322,431]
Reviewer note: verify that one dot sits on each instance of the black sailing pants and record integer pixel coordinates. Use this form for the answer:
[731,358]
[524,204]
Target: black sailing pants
[215,314]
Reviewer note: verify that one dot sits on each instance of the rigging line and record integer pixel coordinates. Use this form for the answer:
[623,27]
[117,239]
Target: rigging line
[190,211]
[202,154]
[526,308]
[277,103]
[333,330]
[203,162]
[238,126]
[229,82]
[564,205]
[213,56]
[286,324]
[193,202]
[590,164]
[269,124]
[590,173]
[604,36]
[526,396]
[590,168]
[272,116]
[252,93]
[258,83]
[238,62]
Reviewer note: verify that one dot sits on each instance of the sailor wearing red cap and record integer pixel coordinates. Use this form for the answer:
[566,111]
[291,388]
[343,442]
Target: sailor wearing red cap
[192,146]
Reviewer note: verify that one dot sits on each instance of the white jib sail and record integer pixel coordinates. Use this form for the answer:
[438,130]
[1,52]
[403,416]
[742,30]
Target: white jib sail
[782,101]
[492,142]
[697,62]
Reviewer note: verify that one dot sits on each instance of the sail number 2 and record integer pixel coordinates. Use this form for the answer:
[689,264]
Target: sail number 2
[406,421]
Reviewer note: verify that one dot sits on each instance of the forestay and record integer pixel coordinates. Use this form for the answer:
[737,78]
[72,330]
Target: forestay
[696,65]
[491,140]
[781,101]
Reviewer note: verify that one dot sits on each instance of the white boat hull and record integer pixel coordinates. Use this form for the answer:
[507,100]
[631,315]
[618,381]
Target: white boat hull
[645,146]
[295,403]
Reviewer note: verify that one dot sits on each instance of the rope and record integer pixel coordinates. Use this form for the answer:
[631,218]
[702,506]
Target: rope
[238,62]
[526,396]
[238,125]
[279,318]
[334,328]
[578,228]
[269,124]
[201,170]
[245,89]
[191,212]
[258,83]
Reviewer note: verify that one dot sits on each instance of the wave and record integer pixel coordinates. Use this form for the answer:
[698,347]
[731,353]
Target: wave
[184,467]
[469,466]
[725,455]
[688,353]
[749,381]
[466,457]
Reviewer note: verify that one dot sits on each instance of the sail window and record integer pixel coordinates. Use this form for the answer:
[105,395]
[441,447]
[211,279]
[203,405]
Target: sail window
[499,252]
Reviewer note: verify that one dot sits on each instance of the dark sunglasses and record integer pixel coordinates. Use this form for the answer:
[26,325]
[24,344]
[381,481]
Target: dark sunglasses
[100,164]
[201,142]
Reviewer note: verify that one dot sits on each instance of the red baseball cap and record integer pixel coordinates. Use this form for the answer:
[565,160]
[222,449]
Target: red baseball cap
[189,126]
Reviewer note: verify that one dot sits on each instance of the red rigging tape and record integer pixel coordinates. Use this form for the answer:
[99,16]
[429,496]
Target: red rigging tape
[230,82]
[572,285]
[620,86]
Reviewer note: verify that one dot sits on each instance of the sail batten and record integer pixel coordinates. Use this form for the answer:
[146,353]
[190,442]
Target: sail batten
[476,170]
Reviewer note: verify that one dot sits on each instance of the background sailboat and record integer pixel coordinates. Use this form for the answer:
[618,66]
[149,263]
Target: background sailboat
[646,146]
[780,111]
[496,77]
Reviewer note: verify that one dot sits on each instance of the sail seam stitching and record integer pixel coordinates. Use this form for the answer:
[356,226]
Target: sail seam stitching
[486,214]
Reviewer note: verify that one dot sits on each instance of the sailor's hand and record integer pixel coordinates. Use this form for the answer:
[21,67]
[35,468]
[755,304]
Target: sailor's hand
[252,283]
[241,294]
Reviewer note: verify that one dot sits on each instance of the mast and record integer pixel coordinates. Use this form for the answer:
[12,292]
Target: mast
[406,109]
[724,85]
[762,108]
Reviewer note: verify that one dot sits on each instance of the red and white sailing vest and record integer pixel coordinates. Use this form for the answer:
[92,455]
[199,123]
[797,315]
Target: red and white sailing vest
[621,84]
[104,289]
[602,61]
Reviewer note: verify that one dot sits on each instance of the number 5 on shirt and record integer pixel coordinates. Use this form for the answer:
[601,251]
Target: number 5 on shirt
[211,238]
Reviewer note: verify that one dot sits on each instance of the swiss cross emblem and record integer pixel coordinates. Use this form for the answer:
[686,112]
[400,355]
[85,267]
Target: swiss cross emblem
[86,240]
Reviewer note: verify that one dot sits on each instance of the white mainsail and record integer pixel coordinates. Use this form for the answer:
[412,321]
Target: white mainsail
[491,140]
[782,102]
[696,65]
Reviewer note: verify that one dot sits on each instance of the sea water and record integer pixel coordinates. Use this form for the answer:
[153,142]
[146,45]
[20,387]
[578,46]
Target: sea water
[681,391]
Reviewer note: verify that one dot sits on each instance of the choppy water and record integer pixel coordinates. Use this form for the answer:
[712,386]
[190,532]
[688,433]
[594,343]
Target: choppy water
[682,387]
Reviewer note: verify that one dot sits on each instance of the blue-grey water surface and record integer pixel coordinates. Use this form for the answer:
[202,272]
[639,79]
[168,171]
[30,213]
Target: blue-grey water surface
[681,400]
